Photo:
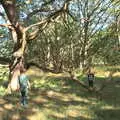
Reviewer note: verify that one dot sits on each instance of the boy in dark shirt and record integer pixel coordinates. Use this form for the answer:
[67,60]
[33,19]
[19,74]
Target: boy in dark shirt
[90,79]
[24,85]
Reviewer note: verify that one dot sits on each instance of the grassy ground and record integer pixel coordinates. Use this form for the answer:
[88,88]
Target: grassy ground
[56,97]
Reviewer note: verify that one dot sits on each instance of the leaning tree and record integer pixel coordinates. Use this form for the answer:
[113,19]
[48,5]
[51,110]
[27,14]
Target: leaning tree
[22,34]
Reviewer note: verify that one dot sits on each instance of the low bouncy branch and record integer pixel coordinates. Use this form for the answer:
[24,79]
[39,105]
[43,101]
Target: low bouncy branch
[94,89]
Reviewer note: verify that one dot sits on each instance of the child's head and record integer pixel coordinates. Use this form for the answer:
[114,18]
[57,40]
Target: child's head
[23,70]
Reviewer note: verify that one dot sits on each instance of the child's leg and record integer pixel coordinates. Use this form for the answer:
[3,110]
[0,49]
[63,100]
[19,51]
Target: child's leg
[22,97]
[91,83]
[25,96]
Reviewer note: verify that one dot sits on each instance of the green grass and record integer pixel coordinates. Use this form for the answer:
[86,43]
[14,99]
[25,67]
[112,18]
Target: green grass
[3,79]
[56,97]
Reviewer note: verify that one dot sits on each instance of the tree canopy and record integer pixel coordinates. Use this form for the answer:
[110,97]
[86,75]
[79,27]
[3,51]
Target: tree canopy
[62,35]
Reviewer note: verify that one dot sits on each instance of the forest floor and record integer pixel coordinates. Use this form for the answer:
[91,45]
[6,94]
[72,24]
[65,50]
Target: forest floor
[56,97]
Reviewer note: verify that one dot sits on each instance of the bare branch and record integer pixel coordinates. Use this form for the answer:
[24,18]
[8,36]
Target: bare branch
[33,35]
[51,16]
[97,6]
[37,11]
[3,16]
[42,9]
[9,26]
[48,19]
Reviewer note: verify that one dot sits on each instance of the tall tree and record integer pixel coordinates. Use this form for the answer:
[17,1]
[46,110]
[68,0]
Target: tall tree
[21,34]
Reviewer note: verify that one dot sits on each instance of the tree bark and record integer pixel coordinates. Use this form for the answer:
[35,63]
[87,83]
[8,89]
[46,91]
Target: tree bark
[19,39]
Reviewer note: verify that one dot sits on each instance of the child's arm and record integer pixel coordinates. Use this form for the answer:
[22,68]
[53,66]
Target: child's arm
[29,86]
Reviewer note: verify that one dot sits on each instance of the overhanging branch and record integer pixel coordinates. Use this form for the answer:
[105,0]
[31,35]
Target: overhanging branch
[51,17]
[37,11]
[6,25]
[42,9]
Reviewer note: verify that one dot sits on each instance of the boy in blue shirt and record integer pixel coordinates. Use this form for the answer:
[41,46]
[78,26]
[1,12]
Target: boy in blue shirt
[24,85]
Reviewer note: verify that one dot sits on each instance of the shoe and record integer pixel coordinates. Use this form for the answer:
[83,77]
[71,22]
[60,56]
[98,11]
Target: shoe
[25,105]
[22,104]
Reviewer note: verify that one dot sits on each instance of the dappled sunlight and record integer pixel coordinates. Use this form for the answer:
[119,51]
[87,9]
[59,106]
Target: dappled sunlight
[39,100]
[73,113]
[101,74]
[66,97]
[38,116]
[117,74]
[63,114]
[82,111]
[2,101]
[59,60]
[57,75]
[8,106]
[15,116]
[34,71]
[105,72]
[118,85]
[58,115]
[110,107]
[55,97]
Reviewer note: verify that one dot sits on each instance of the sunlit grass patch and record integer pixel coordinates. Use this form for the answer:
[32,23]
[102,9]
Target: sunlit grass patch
[38,116]
[4,71]
[2,91]
[57,97]
[45,82]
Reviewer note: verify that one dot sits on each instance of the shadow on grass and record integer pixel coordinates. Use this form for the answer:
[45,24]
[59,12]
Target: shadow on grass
[53,117]
[65,84]
[65,93]
[108,114]
[113,69]
[11,109]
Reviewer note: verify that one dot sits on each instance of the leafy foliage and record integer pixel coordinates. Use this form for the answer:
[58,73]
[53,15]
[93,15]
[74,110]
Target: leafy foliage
[85,34]
[6,48]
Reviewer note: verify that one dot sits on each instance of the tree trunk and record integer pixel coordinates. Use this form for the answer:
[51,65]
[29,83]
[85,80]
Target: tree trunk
[19,39]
